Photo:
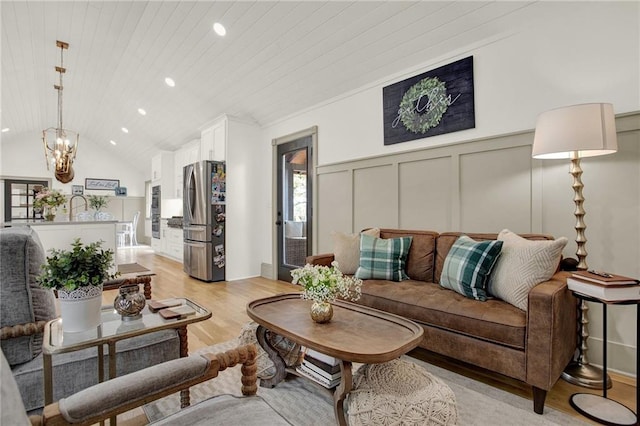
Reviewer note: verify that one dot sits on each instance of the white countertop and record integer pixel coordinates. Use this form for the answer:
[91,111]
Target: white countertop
[40,222]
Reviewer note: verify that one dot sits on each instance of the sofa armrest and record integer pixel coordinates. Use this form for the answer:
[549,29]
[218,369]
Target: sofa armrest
[321,259]
[551,331]
[124,393]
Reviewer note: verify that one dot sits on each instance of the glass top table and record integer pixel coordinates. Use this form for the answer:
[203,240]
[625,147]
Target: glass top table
[113,329]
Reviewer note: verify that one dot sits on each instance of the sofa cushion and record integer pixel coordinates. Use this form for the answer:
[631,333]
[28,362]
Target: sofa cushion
[446,240]
[346,249]
[22,299]
[523,264]
[468,265]
[427,303]
[421,258]
[383,258]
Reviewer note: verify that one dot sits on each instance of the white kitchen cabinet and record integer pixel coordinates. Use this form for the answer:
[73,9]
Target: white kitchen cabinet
[170,243]
[156,245]
[162,173]
[174,243]
[188,154]
[213,140]
[156,167]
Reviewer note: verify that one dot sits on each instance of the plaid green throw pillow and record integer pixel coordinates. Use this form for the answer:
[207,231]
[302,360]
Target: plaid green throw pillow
[467,266]
[383,258]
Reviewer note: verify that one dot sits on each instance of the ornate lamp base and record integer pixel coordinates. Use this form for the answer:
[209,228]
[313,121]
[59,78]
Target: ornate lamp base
[587,376]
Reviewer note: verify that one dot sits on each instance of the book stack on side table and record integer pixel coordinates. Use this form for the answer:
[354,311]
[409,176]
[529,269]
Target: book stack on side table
[604,286]
[321,368]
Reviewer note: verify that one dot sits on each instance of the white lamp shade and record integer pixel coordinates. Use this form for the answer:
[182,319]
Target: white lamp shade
[584,130]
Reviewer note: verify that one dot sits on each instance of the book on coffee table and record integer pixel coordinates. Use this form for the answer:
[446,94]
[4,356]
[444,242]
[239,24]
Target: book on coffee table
[177,312]
[156,305]
[330,369]
[323,381]
[319,370]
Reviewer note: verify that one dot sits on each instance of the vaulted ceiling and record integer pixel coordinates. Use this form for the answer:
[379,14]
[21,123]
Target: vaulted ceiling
[277,58]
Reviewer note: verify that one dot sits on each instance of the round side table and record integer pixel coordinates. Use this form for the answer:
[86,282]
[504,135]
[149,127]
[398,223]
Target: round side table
[600,408]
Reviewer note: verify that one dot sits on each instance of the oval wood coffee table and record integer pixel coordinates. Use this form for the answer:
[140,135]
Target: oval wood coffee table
[355,334]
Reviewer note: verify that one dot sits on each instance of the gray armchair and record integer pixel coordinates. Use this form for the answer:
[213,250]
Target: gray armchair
[124,393]
[25,308]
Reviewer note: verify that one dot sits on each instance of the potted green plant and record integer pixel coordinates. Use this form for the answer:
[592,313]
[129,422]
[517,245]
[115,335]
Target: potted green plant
[77,276]
[323,284]
[97,202]
[48,200]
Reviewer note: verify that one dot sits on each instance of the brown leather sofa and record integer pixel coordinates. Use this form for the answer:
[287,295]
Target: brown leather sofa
[533,346]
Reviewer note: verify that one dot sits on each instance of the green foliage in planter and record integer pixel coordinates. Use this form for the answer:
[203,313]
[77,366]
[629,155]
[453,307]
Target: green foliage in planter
[97,202]
[83,265]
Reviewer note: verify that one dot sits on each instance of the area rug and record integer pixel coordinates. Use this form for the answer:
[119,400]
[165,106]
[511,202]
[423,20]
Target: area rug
[305,404]
[131,268]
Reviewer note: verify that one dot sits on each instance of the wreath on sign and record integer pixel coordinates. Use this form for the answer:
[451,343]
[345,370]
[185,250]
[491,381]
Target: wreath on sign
[411,108]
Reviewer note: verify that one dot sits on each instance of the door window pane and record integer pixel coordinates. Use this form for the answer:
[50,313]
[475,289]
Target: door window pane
[294,189]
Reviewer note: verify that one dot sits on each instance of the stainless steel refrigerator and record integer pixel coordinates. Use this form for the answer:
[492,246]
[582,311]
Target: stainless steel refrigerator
[204,215]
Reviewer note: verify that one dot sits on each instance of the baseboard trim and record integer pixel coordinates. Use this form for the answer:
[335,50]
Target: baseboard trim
[266,270]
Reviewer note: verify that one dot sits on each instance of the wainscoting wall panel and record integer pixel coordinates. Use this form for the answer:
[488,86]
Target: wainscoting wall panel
[478,186]
[424,188]
[375,197]
[495,190]
[489,184]
[334,210]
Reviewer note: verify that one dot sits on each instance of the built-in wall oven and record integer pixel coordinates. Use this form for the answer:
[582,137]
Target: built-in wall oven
[155,211]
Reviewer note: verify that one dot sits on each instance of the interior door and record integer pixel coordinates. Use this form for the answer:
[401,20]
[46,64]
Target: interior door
[294,204]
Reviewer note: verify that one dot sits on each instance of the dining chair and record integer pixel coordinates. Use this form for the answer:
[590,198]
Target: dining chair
[127,231]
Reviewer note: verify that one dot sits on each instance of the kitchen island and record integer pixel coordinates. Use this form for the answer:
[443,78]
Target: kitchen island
[60,235]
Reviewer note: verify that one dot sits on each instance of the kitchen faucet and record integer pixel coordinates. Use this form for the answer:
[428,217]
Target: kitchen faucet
[86,205]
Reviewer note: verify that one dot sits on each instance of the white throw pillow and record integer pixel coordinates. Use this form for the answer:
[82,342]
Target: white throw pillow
[522,265]
[346,249]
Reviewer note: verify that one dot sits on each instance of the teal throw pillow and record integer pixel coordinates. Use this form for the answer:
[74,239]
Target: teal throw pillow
[467,266]
[383,258]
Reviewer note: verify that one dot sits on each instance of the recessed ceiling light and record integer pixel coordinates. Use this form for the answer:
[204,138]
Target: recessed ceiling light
[219,29]
[142,112]
[124,129]
[170,82]
[112,142]
[5,130]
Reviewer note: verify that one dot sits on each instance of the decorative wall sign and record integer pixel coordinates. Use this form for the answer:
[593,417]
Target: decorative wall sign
[106,184]
[433,103]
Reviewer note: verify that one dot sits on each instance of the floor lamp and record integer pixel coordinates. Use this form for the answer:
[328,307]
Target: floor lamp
[574,132]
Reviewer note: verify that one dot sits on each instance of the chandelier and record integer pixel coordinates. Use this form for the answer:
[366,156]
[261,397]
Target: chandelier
[59,147]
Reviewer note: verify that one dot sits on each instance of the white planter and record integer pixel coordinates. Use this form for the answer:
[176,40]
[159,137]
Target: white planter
[80,308]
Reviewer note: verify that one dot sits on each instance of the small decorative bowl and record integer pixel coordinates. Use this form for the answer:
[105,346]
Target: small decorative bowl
[129,302]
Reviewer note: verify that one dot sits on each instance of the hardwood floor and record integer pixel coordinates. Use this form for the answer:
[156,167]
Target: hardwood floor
[227,301]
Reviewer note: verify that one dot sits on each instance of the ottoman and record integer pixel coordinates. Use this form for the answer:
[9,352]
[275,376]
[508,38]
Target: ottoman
[399,393]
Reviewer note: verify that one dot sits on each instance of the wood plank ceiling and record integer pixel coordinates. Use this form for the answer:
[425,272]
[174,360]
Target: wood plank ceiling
[277,58]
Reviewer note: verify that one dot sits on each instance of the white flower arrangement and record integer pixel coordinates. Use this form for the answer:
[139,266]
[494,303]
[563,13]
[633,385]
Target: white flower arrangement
[326,283]
[49,198]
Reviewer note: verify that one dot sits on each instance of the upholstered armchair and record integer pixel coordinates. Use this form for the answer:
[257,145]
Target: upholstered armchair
[25,308]
[124,393]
